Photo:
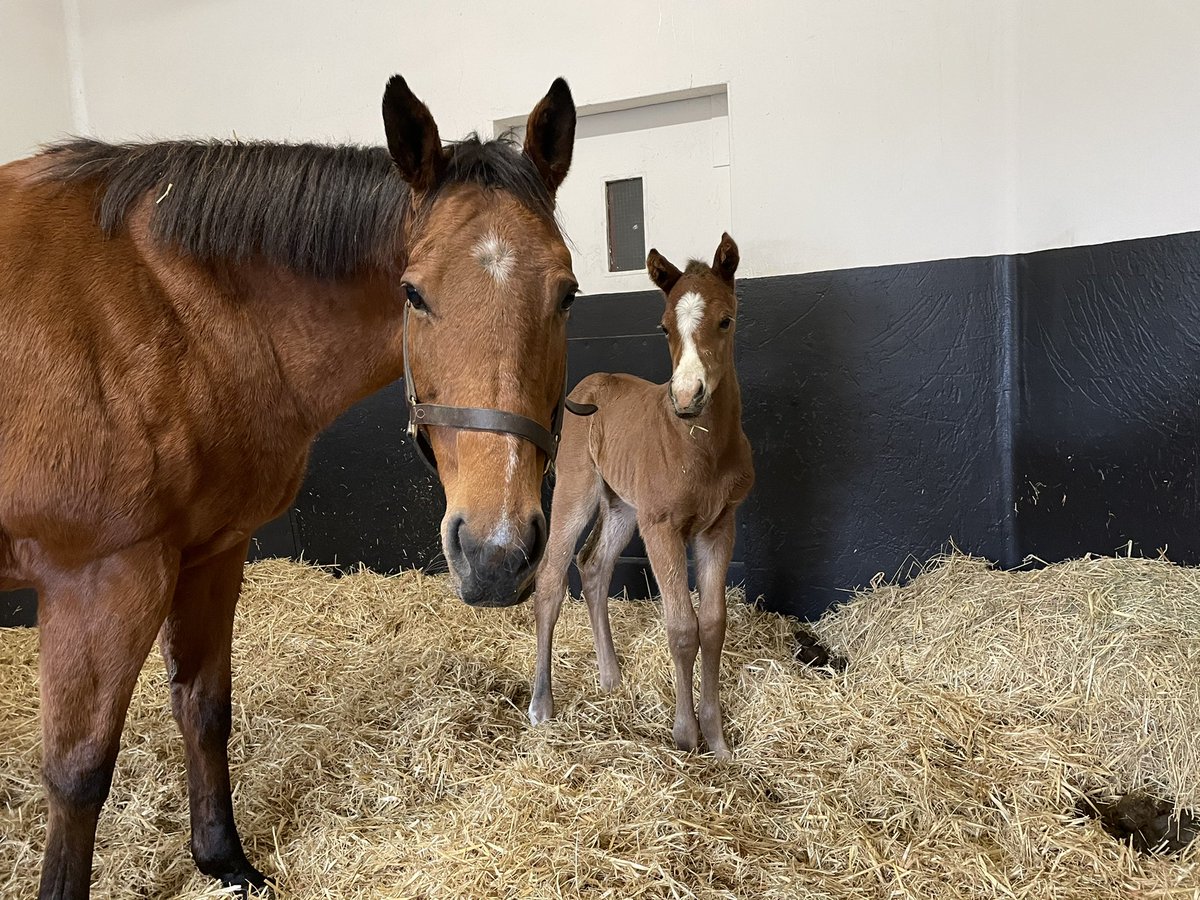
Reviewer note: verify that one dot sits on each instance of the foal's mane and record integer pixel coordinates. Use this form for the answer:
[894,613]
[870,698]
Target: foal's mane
[322,210]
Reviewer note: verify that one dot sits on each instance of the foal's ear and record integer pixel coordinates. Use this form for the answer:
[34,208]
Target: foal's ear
[662,272]
[412,137]
[725,262]
[550,135]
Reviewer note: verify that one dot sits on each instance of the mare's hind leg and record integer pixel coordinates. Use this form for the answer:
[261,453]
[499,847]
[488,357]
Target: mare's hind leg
[614,527]
[195,642]
[668,559]
[714,549]
[576,493]
[96,624]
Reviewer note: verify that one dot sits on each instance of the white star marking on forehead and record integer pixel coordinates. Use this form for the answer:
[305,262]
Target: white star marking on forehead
[496,256]
[689,311]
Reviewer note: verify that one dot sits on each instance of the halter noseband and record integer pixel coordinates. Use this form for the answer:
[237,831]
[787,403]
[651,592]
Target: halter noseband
[474,418]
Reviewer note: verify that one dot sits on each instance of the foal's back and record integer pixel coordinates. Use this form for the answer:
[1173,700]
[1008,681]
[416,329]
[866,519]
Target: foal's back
[668,469]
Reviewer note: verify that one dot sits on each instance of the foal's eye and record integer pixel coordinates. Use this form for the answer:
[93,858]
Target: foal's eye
[414,297]
[662,327]
[726,322]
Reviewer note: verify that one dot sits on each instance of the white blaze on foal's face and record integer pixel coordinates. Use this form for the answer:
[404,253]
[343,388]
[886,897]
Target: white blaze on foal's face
[689,378]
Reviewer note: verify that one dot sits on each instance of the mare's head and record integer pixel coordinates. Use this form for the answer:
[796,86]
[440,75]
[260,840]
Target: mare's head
[699,321]
[488,280]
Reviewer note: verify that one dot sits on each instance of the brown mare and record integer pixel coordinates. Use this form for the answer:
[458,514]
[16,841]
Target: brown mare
[178,321]
[670,460]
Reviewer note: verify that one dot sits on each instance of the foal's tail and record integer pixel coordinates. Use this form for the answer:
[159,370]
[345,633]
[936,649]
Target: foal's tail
[582,401]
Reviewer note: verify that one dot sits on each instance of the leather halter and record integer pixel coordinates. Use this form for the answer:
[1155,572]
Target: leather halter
[474,418]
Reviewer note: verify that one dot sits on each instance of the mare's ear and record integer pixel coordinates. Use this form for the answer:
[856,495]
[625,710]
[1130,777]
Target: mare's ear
[550,135]
[725,262]
[662,272]
[412,137]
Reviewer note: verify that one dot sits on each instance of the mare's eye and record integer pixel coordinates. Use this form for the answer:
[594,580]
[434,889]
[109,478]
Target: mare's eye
[569,298]
[414,297]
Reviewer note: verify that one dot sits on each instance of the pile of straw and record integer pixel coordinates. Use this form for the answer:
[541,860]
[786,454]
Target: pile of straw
[381,747]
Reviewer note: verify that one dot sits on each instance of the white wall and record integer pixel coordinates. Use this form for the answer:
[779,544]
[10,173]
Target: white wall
[863,132]
[35,102]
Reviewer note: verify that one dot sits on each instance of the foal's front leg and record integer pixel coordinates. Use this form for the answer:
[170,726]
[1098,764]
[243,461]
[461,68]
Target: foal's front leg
[668,559]
[714,549]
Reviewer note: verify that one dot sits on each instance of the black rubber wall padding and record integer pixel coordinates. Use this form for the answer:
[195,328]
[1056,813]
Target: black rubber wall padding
[1046,404]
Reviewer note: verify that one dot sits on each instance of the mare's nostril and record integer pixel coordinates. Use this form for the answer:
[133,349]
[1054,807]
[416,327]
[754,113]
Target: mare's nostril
[535,538]
[454,538]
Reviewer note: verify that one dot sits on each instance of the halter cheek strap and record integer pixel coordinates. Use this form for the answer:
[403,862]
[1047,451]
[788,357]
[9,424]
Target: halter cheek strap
[474,418]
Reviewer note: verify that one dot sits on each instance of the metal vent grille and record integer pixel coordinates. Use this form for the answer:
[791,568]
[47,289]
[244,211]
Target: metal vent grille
[626,225]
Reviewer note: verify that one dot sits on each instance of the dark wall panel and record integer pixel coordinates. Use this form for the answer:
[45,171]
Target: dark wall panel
[368,498]
[892,410]
[1108,428]
[874,403]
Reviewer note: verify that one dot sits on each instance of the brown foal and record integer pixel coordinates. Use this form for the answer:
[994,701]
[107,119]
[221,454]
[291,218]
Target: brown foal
[670,460]
[179,320]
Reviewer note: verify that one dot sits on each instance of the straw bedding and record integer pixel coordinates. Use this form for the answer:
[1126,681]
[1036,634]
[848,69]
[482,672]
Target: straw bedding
[381,749]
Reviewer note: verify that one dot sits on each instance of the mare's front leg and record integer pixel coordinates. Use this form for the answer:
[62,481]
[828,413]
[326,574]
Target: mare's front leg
[195,641]
[668,559]
[96,624]
[714,549]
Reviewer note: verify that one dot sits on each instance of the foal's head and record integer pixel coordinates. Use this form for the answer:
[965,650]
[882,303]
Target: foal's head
[699,322]
[489,282]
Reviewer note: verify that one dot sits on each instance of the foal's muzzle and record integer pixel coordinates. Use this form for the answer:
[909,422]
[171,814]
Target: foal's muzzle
[497,570]
[694,406]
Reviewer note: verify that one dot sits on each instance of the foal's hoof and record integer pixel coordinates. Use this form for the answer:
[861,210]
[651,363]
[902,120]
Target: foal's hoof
[541,709]
[687,735]
[609,682]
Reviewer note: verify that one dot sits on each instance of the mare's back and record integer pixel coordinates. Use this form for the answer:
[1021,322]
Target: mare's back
[79,314]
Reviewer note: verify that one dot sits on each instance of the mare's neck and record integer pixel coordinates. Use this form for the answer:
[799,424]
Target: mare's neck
[334,341]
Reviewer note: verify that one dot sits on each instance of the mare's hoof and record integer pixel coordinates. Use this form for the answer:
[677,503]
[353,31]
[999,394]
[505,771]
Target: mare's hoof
[252,882]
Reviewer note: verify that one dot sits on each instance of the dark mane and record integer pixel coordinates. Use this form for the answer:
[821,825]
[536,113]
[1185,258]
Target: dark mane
[322,210]
[697,267]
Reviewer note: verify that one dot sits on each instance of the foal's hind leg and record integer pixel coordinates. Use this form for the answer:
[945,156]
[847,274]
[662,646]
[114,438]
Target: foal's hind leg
[575,495]
[195,642]
[668,559]
[96,625]
[614,527]
[714,549]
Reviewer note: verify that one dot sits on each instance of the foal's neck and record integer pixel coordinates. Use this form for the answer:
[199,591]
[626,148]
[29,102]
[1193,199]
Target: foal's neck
[721,421]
